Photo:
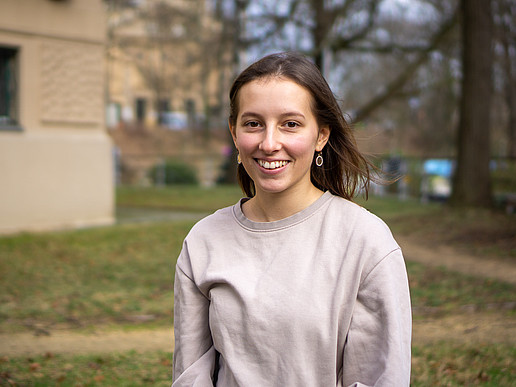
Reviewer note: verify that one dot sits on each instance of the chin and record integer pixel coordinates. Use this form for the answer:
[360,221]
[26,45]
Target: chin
[273,188]
[270,189]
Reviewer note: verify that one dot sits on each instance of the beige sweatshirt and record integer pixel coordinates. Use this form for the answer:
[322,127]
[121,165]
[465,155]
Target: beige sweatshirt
[319,298]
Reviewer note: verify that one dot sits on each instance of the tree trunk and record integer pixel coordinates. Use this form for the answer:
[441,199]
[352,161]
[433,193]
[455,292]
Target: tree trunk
[510,97]
[508,67]
[511,124]
[472,181]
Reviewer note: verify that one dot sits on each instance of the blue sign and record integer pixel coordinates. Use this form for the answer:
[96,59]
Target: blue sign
[439,167]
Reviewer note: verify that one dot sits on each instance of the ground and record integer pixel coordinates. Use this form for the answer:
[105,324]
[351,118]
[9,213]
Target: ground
[467,325]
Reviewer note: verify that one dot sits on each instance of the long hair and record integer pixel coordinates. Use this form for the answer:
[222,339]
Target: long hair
[345,170]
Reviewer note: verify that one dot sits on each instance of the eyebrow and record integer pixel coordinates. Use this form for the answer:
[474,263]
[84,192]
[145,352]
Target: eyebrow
[286,114]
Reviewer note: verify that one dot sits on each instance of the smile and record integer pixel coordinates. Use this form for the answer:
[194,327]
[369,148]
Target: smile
[271,164]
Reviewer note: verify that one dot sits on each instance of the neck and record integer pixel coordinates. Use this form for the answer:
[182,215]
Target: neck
[268,207]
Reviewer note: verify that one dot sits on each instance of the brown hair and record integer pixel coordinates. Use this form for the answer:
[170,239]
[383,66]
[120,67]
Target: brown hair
[345,170]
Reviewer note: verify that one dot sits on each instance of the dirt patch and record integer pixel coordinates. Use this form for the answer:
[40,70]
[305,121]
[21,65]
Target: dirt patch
[450,258]
[494,327]
[67,342]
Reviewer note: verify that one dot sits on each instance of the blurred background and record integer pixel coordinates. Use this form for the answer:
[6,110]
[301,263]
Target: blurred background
[113,113]
[102,93]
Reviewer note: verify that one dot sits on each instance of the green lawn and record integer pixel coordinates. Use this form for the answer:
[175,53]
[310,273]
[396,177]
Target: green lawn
[101,275]
[127,369]
[479,232]
[182,198]
[451,364]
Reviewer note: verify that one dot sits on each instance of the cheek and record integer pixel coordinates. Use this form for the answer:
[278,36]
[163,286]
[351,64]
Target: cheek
[302,147]
[245,144]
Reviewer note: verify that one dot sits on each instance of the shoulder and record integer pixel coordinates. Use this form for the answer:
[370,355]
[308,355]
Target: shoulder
[205,232]
[368,237]
[358,217]
[206,238]
[215,226]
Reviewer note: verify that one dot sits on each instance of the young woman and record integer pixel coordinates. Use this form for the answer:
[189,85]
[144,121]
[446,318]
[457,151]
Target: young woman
[295,285]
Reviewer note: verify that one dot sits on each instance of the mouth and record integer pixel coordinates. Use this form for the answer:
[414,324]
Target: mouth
[271,164]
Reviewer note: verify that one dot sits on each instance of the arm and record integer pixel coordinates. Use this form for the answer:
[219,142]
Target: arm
[377,351]
[194,354]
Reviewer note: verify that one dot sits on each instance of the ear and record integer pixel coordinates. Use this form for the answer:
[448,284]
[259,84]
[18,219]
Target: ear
[324,135]
[232,130]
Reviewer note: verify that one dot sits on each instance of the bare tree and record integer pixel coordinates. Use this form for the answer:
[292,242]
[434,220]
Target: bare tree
[408,70]
[324,29]
[472,182]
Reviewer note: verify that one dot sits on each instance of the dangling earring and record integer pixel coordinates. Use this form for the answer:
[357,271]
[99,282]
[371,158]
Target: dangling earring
[239,159]
[319,160]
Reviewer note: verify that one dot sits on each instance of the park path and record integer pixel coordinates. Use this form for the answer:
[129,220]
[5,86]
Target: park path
[67,342]
[453,260]
[494,326]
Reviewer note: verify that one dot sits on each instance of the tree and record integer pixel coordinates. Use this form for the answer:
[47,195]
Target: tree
[505,14]
[409,69]
[472,182]
[332,31]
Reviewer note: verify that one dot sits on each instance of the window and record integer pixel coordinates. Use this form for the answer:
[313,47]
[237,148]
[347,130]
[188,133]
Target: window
[141,105]
[190,111]
[163,108]
[8,88]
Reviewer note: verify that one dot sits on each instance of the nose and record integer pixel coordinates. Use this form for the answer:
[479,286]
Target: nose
[270,142]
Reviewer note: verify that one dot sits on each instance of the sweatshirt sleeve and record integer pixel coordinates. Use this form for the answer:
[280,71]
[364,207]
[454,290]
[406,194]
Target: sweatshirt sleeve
[194,354]
[377,350]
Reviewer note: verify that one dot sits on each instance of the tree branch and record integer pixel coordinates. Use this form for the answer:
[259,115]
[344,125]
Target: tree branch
[397,83]
[343,42]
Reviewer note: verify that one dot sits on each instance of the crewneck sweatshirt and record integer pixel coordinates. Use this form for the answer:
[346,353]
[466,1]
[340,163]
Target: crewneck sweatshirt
[320,298]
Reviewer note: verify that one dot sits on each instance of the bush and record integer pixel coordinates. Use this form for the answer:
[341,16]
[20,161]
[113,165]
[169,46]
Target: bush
[173,172]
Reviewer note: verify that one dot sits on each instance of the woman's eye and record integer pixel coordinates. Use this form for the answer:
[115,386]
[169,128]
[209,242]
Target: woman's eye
[291,124]
[252,124]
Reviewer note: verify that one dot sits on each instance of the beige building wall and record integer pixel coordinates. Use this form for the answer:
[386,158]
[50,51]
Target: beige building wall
[56,166]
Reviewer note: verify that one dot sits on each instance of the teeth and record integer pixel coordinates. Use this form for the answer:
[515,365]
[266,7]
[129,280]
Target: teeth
[272,164]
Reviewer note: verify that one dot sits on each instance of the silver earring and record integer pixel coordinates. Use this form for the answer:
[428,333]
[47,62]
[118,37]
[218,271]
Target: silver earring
[319,160]
[239,159]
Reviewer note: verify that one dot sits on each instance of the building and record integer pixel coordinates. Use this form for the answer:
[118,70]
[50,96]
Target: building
[166,56]
[56,166]
[169,67]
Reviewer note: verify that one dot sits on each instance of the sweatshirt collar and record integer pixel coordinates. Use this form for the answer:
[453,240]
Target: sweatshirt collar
[282,223]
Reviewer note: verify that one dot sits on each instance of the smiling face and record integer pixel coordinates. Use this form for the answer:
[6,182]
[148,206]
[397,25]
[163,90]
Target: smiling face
[277,134]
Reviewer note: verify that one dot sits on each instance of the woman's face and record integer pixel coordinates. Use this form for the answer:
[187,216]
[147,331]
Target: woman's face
[276,134]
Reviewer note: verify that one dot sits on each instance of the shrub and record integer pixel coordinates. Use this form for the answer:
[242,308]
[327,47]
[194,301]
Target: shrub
[173,172]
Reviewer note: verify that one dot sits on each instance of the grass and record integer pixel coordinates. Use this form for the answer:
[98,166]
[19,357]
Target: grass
[481,232]
[437,364]
[183,198]
[116,369]
[475,231]
[435,288]
[451,364]
[111,274]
